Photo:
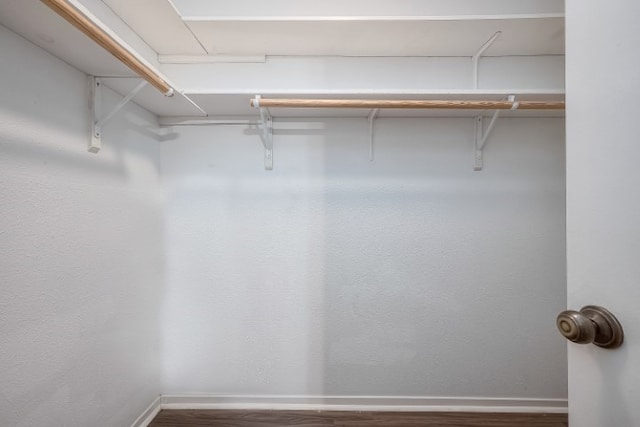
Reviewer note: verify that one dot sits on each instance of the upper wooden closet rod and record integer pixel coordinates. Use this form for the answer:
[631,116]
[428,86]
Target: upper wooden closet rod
[386,103]
[97,34]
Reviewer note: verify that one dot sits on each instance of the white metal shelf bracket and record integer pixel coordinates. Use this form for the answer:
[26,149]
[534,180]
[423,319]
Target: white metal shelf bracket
[481,135]
[266,121]
[371,118]
[98,122]
[475,59]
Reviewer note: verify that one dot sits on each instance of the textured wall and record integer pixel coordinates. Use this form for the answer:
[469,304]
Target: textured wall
[409,276]
[80,250]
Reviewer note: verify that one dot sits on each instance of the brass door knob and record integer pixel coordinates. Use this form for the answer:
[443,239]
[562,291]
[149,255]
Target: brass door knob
[592,324]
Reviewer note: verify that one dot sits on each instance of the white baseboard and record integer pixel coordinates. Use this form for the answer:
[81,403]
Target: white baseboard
[149,414]
[366,403]
[351,403]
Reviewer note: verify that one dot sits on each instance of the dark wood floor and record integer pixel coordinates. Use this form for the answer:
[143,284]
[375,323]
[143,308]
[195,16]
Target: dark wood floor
[224,418]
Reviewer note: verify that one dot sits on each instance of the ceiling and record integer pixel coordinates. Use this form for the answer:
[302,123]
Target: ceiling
[193,32]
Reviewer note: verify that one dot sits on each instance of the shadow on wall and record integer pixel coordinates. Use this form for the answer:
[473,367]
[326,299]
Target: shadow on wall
[427,263]
[61,141]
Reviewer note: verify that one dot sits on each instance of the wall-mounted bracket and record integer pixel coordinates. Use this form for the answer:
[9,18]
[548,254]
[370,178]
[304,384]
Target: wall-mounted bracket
[371,118]
[95,103]
[475,59]
[481,138]
[266,122]
[97,122]
[481,135]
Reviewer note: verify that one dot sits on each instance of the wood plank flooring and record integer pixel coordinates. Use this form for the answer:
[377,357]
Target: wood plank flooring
[232,418]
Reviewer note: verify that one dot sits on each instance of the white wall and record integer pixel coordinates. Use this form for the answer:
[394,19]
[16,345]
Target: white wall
[81,250]
[409,276]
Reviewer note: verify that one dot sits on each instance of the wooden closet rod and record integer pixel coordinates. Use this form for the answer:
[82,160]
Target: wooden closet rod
[97,34]
[418,104]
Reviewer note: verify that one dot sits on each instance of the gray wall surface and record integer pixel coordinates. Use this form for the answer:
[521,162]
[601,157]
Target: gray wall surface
[81,250]
[408,276]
